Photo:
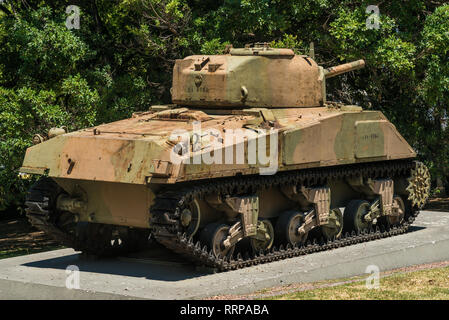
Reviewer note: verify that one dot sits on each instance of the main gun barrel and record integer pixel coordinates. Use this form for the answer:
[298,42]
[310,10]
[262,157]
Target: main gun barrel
[343,68]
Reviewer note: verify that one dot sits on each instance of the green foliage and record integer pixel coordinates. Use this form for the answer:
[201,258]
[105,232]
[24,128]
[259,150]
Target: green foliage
[80,102]
[214,46]
[382,48]
[22,112]
[120,61]
[39,89]
[435,41]
[289,41]
[434,91]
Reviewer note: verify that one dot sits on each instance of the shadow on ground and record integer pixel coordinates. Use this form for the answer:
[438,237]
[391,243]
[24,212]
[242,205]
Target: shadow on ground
[154,264]
[157,263]
[415,228]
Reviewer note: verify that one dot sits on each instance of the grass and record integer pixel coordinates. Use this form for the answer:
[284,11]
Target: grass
[429,284]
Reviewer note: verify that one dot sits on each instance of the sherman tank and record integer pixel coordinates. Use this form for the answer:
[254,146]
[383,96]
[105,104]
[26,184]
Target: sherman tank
[249,164]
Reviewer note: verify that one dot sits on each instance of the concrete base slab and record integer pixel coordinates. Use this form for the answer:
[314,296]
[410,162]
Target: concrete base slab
[162,275]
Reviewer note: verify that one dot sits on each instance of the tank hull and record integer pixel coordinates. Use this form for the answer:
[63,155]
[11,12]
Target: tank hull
[122,165]
[126,151]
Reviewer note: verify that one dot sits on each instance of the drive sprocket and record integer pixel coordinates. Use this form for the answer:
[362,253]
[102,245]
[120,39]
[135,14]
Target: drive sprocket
[418,185]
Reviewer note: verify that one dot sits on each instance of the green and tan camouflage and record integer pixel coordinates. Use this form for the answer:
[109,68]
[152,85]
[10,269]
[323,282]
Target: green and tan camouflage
[114,174]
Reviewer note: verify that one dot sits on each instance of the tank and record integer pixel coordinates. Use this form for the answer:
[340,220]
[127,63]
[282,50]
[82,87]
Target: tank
[249,164]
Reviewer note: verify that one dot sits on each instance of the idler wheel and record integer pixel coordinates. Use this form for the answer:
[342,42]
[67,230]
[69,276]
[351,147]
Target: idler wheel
[286,231]
[354,216]
[190,218]
[334,228]
[264,238]
[213,236]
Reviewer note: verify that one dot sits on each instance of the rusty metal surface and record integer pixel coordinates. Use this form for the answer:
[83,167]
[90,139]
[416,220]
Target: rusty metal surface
[247,80]
[137,150]
[351,66]
[223,106]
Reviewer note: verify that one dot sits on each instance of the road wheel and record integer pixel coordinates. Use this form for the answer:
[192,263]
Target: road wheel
[353,218]
[191,218]
[286,231]
[213,236]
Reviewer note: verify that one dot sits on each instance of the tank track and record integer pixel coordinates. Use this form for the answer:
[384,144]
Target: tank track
[168,205]
[38,211]
[92,239]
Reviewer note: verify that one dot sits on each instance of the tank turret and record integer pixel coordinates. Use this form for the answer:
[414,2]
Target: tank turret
[253,77]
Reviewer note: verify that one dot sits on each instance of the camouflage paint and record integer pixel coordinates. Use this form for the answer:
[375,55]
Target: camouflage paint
[271,81]
[125,153]
[130,159]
